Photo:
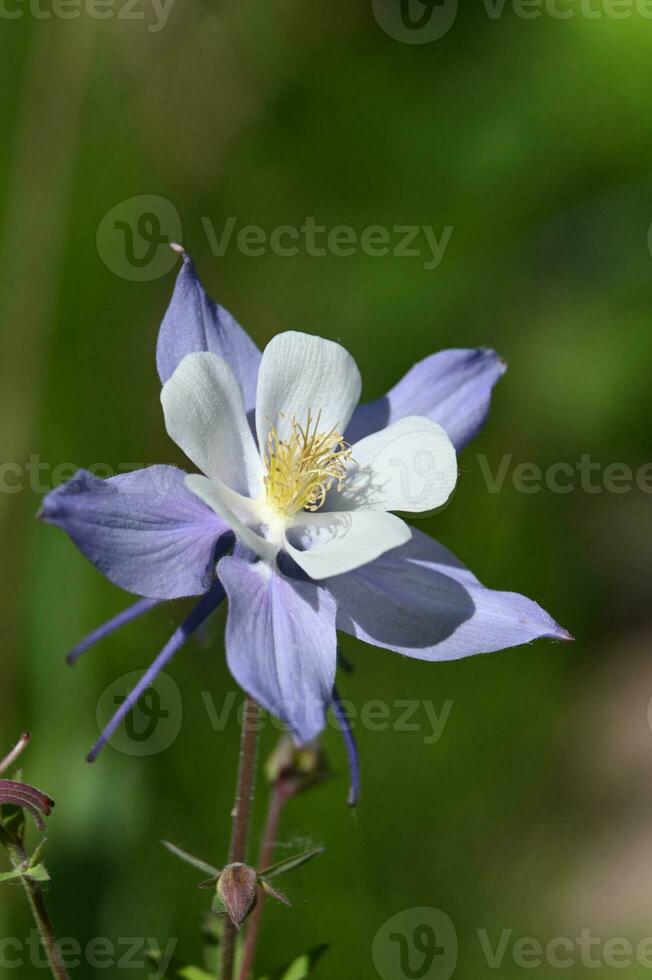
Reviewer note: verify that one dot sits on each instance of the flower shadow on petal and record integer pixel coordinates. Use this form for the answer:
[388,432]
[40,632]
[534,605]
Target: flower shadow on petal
[368,418]
[332,526]
[437,608]
[363,489]
[312,597]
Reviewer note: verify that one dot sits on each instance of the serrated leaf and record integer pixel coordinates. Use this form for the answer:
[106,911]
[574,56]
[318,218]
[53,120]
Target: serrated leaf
[190,859]
[301,967]
[282,867]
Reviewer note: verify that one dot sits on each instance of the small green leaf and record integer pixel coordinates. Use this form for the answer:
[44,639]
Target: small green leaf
[190,859]
[301,968]
[38,851]
[177,969]
[290,863]
[12,875]
[37,873]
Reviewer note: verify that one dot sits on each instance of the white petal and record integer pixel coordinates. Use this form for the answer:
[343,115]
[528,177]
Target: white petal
[342,541]
[300,373]
[240,513]
[204,414]
[410,466]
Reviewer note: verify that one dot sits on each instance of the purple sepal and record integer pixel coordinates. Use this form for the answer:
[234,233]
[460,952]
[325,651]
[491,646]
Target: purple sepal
[351,748]
[126,616]
[452,387]
[206,605]
[195,322]
[421,601]
[281,644]
[144,530]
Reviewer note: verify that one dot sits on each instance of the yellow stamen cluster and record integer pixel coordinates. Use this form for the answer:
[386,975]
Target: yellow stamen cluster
[302,468]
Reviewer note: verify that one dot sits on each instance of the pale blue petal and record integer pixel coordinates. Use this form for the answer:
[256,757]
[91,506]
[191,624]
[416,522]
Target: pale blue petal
[195,322]
[144,530]
[421,601]
[452,387]
[281,643]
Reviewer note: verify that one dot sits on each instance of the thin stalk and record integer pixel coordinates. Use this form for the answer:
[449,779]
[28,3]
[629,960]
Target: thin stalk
[19,858]
[270,836]
[15,752]
[241,820]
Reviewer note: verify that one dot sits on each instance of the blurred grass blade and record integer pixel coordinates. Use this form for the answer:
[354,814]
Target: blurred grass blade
[190,859]
[290,863]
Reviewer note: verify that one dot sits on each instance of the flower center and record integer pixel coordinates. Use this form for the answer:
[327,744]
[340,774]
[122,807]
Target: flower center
[302,468]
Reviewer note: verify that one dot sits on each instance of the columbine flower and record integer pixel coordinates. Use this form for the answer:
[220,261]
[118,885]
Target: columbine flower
[291,515]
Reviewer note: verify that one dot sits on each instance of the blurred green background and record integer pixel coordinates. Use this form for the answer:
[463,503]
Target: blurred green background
[532,139]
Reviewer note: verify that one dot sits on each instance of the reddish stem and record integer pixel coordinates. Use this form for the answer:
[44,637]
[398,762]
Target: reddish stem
[270,837]
[241,816]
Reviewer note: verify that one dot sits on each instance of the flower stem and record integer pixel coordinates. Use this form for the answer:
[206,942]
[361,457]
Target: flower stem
[270,836]
[15,752]
[241,817]
[19,858]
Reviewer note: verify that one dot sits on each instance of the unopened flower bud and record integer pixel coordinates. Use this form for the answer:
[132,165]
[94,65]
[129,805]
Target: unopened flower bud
[291,769]
[237,888]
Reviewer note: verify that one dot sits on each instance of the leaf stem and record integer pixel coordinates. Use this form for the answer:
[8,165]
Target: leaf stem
[19,859]
[241,817]
[270,836]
